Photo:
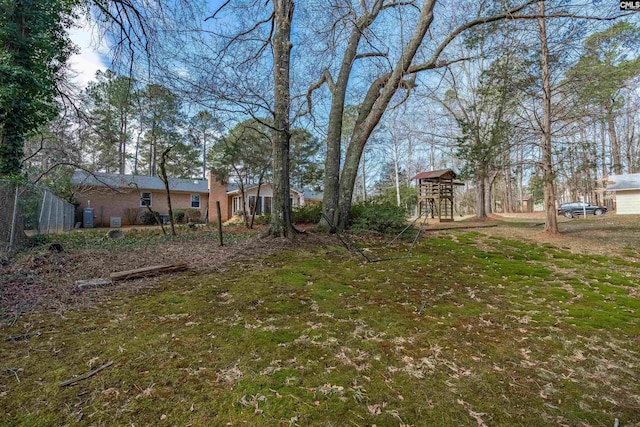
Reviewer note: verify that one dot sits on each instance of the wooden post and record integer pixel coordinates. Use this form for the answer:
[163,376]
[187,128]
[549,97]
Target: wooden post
[219,223]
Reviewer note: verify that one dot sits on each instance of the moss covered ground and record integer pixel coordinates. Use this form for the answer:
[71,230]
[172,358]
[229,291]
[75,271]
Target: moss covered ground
[472,330]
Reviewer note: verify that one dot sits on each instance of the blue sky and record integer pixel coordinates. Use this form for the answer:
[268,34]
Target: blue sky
[89,59]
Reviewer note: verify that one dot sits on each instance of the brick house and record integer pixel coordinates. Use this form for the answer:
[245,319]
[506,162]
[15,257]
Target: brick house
[125,196]
[230,198]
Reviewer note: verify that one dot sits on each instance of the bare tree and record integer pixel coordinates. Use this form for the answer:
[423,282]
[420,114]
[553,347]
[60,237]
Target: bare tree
[281,208]
[548,175]
[339,182]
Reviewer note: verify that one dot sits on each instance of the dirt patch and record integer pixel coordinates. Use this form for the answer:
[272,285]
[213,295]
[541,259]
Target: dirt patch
[40,279]
[607,235]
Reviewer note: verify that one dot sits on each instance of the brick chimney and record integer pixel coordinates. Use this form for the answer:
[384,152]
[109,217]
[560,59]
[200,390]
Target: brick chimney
[218,193]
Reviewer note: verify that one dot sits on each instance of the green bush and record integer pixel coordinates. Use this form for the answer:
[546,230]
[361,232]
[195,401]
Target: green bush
[42,239]
[262,219]
[408,196]
[149,218]
[382,217]
[309,214]
[179,216]
[192,215]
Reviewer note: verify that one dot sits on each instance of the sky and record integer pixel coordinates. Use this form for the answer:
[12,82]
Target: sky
[89,59]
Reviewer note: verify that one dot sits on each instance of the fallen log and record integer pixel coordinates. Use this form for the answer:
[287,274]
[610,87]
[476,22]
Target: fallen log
[148,271]
[85,376]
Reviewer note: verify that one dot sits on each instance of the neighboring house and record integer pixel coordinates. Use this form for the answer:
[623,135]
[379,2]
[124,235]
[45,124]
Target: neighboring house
[312,198]
[125,196]
[527,203]
[230,198]
[627,189]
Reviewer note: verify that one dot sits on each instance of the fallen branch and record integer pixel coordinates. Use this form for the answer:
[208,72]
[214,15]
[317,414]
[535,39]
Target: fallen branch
[15,371]
[85,376]
[92,283]
[22,337]
[148,271]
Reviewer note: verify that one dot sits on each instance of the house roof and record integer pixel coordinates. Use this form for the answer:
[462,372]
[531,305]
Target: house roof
[142,181]
[624,182]
[435,174]
[312,195]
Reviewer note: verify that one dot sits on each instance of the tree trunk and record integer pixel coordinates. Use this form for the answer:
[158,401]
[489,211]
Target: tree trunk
[122,142]
[255,206]
[204,155]
[520,178]
[481,211]
[548,176]
[409,160]
[603,141]
[152,153]
[281,207]
[165,179]
[488,186]
[396,171]
[364,177]
[630,154]
[373,107]
[593,157]
[508,191]
[243,200]
[140,121]
[331,197]
[613,137]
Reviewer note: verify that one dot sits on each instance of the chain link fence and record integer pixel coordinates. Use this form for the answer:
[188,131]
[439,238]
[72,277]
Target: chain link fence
[27,210]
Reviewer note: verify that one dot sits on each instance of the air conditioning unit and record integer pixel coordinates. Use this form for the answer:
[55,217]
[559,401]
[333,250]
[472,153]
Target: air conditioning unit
[115,222]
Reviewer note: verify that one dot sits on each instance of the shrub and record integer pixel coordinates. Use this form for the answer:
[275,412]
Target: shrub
[309,214]
[382,217]
[42,239]
[408,196]
[192,215]
[262,219]
[179,216]
[131,215]
[149,218]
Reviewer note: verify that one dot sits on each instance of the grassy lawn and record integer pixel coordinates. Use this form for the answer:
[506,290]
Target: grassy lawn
[472,330]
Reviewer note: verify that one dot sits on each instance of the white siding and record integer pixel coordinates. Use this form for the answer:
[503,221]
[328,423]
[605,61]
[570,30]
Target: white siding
[266,190]
[628,202]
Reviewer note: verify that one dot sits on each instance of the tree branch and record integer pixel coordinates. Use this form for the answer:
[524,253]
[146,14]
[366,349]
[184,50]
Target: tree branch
[217,11]
[400,3]
[371,55]
[430,64]
[325,78]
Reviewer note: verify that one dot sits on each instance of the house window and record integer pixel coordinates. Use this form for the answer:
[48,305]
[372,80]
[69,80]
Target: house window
[267,205]
[145,200]
[236,205]
[195,201]
[252,204]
